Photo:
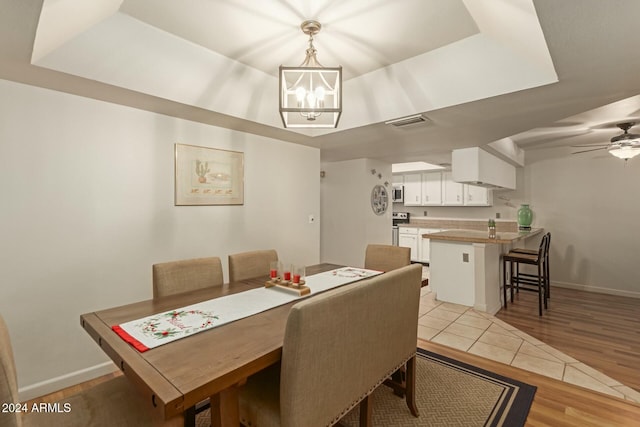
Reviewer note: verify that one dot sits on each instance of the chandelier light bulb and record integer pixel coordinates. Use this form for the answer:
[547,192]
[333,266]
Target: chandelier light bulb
[300,94]
[311,100]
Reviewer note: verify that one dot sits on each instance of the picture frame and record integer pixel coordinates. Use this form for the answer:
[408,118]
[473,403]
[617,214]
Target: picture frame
[207,176]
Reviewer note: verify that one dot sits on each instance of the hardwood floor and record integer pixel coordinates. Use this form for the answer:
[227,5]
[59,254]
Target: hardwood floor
[602,331]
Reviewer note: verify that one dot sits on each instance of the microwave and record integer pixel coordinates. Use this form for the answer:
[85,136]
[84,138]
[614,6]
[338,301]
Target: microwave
[397,193]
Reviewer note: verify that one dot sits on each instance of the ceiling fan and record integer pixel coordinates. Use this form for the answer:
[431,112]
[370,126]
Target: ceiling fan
[624,146]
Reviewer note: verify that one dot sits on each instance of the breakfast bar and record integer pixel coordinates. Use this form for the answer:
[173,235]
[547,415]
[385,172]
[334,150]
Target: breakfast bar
[465,265]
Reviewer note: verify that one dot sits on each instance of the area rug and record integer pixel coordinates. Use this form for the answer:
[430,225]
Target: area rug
[448,393]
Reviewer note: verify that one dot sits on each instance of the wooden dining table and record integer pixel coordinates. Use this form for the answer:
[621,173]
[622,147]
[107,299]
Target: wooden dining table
[174,377]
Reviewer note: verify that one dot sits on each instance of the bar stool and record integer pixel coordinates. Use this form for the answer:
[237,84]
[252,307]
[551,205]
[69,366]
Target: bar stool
[529,282]
[546,262]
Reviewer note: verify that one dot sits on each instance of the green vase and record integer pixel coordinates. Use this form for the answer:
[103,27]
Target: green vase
[525,216]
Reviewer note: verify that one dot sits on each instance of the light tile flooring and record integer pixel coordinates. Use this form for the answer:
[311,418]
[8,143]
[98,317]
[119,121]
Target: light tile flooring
[482,334]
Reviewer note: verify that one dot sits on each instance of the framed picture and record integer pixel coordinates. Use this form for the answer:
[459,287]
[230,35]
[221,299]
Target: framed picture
[208,176]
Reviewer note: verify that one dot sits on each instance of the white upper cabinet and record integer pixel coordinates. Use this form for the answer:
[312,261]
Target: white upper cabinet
[413,189]
[477,196]
[439,189]
[453,194]
[431,188]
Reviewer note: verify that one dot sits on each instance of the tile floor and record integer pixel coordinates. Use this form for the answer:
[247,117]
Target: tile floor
[479,333]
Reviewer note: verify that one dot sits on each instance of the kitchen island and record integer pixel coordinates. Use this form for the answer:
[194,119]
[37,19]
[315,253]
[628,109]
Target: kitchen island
[465,266]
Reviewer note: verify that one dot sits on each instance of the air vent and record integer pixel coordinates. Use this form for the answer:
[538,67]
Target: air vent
[406,121]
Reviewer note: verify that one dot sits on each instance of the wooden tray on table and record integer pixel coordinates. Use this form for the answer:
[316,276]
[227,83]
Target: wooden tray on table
[299,289]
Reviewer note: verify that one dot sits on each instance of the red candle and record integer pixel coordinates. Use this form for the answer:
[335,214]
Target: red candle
[273,274]
[296,278]
[287,275]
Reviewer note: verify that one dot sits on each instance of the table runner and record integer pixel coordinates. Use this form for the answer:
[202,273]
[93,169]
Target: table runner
[162,328]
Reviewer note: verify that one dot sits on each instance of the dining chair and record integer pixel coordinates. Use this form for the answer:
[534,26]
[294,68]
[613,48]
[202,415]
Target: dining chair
[186,275]
[111,403]
[529,282]
[247,265]
[338,347]
[386,257]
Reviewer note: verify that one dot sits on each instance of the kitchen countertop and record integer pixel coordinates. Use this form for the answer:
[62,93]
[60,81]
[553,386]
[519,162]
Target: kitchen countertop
[474,236]
[478,224]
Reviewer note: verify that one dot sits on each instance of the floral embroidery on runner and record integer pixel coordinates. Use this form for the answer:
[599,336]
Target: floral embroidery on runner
[173,323]
[351,272]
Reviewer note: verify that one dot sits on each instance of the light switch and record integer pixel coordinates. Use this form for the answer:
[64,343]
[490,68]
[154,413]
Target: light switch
[465,257]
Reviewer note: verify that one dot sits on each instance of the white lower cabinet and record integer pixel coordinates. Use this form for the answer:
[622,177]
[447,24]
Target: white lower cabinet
[408,238]
[424,243]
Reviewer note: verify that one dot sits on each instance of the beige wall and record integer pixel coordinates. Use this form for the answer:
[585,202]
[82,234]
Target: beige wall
[87,208]
[348,222]
[591,205]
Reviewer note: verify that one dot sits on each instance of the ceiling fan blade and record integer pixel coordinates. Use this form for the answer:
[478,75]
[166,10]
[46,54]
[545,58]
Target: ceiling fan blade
[586,151]
[590,145]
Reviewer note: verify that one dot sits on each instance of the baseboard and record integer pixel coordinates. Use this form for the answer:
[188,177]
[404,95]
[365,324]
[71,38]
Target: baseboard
[594,289]
[58,383]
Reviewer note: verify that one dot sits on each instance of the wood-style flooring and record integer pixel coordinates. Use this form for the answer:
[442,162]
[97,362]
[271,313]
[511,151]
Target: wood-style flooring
[602,331]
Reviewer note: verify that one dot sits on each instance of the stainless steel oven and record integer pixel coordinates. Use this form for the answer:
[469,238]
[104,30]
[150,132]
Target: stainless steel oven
[398,218]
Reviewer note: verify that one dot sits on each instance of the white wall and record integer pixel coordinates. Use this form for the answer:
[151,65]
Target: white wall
[591,205]
[348,222]
[87,208]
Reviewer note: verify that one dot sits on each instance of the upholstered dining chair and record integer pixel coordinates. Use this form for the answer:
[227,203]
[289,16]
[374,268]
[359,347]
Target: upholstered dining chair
[386,257]
[335,354]
[247,265]
[186,275]
[110,403]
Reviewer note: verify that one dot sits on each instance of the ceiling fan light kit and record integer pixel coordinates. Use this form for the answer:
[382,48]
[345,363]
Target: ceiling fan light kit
[627,145]
[624,146]
[310,94]
[625,152]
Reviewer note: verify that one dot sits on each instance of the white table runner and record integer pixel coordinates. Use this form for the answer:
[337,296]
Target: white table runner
[158,329]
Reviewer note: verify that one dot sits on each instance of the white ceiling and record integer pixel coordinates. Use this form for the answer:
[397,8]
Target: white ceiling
[543,74]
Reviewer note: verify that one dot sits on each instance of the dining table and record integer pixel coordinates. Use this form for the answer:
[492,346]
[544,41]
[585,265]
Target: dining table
[173,378]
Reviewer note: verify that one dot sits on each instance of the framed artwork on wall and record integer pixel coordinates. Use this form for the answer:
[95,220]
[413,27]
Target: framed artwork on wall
[208,176]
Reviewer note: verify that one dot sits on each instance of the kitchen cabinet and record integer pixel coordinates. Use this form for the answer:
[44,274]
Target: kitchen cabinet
[475,195]
[413,189]
[423,189]
[439,189]
[453,192]
[424,253]
[408,238]
[431,188]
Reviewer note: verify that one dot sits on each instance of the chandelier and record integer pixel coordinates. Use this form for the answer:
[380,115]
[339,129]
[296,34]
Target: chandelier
[310,94]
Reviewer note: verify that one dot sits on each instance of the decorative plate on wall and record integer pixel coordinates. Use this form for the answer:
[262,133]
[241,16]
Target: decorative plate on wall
[379,199]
